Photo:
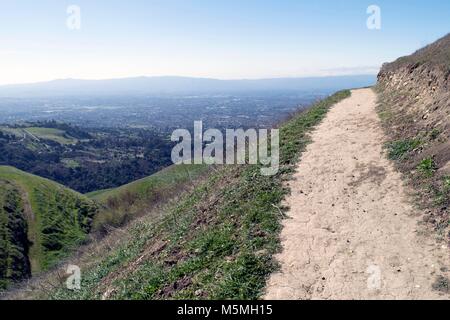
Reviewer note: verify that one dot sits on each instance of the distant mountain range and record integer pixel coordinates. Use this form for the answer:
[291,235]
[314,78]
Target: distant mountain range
[180,85]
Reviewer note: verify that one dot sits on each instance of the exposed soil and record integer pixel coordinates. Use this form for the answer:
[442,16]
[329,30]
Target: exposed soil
[414,105]
[352,231]
[417,100]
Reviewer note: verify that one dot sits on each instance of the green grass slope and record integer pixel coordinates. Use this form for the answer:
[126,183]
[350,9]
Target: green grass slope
[52,134]
[14,244]
[122,204]
[40,221]
[216,242]
[164,178]
[40,133]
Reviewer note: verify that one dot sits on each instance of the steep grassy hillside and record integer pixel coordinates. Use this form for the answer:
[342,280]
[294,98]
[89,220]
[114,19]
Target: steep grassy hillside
[14,244]
[216,241]
[414,104]
[39,222]
[120,205]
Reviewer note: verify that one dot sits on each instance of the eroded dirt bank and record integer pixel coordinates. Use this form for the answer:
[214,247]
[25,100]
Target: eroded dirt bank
[352,231]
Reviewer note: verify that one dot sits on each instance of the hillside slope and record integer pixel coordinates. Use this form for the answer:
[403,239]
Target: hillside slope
[40,221]
[14,244]
[414,105]
[215,241]
[125,203]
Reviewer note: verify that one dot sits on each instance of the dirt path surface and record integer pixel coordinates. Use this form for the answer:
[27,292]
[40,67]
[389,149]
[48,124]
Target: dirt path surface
[352,232]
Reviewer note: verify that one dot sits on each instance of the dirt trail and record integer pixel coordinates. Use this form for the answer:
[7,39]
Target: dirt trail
[352,232]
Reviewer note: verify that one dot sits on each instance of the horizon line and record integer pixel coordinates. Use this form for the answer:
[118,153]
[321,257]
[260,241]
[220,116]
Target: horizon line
[373,73]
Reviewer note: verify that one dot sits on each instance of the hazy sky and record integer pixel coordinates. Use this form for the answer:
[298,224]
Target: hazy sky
[210,38]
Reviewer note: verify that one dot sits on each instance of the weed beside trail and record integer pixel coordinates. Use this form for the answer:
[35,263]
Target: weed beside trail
[398,150]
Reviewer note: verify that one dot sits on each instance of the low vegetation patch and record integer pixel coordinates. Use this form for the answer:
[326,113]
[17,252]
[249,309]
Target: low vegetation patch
[398,150]
[427,167]
[217,242]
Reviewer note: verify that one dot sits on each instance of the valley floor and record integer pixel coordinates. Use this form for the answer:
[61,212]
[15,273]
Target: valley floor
[353,231]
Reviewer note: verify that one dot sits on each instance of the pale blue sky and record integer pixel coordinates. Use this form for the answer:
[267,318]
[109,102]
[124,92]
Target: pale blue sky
[225,39]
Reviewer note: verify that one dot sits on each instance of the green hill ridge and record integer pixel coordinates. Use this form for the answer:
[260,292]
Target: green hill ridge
[122,204]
